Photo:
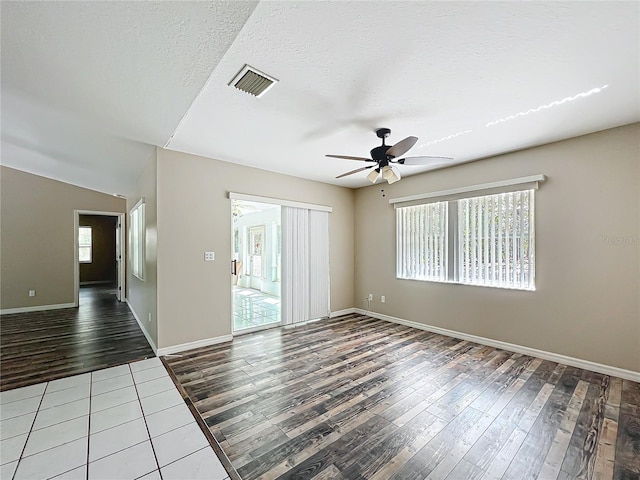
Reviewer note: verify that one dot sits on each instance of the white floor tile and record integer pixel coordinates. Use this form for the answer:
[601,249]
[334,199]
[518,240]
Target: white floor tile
[61,413]
[16,426]
[65,396]
[117,438]
[68,382]
[8,469]
[155,475]
[115,416]
[155,386]
[20,407]
[110,384]
[11,448]
[22,393]
[201,465]
[54,461]
[107,373]
[178,443]
[166,420]
[57,434]
[150,374]
[128,464]
[161,401]
[144,364]
[79,473]
[113,398]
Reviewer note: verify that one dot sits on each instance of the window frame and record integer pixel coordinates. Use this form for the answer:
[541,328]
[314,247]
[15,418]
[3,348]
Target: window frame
[454,241]
[137,239]
[89,246]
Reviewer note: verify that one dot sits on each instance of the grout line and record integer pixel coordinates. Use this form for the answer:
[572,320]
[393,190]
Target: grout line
[29,433]
[144,418]
[86,471]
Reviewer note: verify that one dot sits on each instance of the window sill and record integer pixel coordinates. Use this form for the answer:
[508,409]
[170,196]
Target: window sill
[450,282]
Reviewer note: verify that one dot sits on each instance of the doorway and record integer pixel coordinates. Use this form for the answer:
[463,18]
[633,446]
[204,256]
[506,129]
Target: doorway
[256,266]
[99,256]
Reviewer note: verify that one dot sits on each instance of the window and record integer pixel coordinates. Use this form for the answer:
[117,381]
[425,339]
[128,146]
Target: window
[137,240]
[422,242]
[497,240]
[486,240]
[84,245]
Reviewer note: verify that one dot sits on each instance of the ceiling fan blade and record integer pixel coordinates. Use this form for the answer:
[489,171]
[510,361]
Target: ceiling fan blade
[402,147]
[355,171]
[347,157]
[423,160]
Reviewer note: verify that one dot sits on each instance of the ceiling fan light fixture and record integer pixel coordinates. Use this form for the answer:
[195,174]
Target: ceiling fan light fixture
[387,173]
[372,176]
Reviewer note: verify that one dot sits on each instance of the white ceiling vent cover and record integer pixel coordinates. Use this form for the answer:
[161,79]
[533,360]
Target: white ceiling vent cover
[253,81]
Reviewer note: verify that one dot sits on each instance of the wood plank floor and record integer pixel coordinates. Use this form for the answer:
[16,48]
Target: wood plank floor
[41,346]
[358,398]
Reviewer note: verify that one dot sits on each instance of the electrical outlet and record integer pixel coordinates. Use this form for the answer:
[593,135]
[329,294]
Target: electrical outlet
[370,297]
[32,293]
[149,317]
[209,256]
[383,299]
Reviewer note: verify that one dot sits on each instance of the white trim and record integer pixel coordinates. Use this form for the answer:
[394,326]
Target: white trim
[277,201]
[533,352]
[36,308]
[142,327]
[76,264]
[339,313]
[190,345]
[452,192]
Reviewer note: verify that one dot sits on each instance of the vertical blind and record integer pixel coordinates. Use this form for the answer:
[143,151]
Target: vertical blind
[421,241]
[496,246]
[305,264]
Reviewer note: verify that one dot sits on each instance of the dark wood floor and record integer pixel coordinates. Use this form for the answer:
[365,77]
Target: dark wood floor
[358,398]
[41,346]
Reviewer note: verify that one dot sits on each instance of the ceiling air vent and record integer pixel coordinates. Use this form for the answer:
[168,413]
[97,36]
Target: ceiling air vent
[252,81]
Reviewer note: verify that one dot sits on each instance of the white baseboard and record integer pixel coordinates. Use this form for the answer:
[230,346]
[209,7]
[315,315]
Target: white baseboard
[98,282]
[339,313]
[512,347]
[142,327]
[36,308]
[197,344]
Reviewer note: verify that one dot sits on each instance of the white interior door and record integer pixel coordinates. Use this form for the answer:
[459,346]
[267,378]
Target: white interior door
[256,256]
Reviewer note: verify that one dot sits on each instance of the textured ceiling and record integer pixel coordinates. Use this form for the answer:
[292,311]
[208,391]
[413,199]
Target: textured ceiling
[88,88]
[428,69]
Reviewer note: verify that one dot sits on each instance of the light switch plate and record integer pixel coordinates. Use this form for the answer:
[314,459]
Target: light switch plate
[209,256]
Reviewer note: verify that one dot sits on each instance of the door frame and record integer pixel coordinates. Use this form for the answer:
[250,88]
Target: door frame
[283,203]
[121,261]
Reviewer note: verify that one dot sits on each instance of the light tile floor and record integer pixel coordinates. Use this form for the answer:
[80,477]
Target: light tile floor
[252,308]
[125,422]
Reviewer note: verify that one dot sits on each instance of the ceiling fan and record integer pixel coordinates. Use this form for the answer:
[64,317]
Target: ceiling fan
[384,159]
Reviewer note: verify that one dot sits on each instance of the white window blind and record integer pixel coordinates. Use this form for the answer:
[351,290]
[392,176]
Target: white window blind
[496,240]
[137,240]
[421,241]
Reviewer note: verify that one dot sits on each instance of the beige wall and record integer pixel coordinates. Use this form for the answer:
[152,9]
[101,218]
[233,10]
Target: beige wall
[37,237]
[587,253]
[194,215]
[142,294]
